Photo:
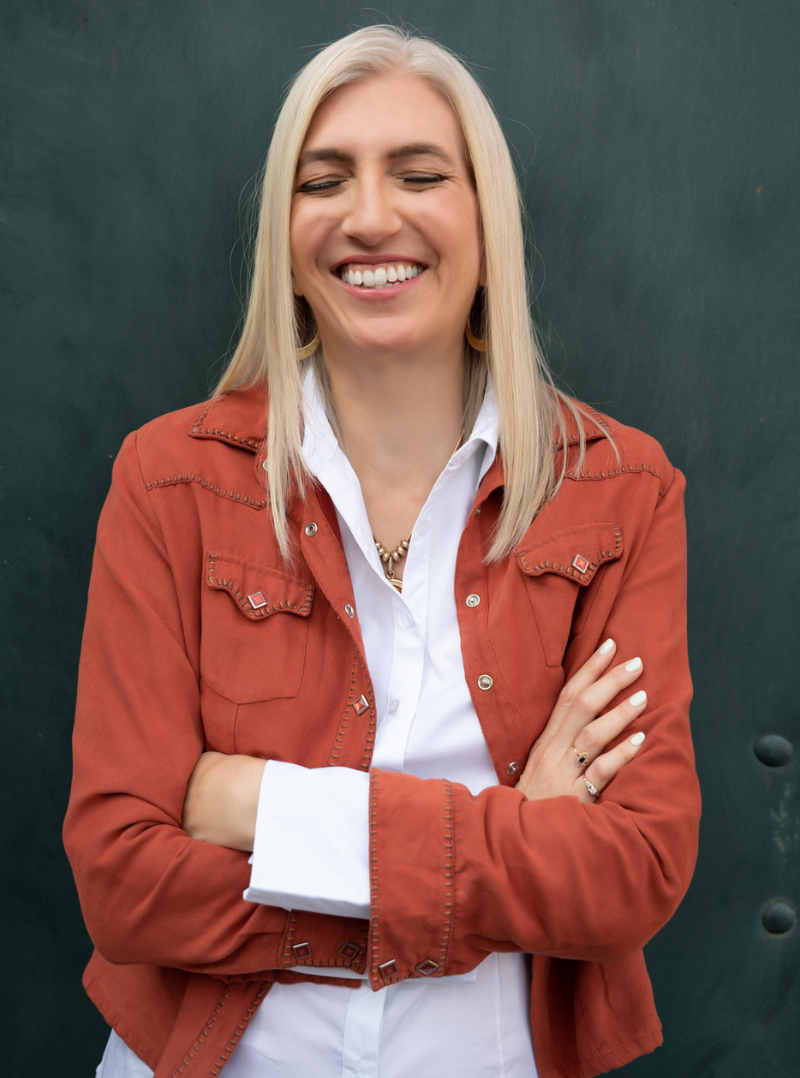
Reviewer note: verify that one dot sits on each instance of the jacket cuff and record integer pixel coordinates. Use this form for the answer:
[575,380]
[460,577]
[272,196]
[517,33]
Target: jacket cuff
[411,877]
[319,941]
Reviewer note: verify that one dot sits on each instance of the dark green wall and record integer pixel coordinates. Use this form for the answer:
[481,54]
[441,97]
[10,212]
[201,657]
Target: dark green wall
[658,145]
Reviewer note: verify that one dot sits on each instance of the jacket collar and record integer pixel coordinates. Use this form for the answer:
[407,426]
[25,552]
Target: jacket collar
[240,418]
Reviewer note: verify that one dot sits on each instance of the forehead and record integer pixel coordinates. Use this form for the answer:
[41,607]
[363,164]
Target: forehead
[378,113]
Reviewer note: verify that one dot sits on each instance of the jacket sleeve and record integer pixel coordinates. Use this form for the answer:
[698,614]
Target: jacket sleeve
[149,893]
[455,876]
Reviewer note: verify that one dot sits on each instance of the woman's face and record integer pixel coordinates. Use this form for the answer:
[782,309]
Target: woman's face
[384,229]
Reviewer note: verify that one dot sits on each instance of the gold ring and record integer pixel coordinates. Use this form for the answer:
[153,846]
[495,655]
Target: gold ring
[592,789]
[581,757]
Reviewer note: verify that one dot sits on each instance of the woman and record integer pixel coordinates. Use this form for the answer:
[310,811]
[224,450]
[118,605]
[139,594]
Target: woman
[422,598]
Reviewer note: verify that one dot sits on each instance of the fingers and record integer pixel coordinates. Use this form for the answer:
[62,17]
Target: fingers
[593,738]
[582,679]
[579,706]
[606,766]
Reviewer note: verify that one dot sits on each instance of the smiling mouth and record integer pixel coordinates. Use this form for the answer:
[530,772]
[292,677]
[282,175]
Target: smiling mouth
[383,276]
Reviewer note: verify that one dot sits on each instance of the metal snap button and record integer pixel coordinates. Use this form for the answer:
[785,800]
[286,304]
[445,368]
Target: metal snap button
[256,600]
[473,600]
[302,951]
[311,529]
[349,949]
[349,611]
[512,768]
[485,682]
[360,705]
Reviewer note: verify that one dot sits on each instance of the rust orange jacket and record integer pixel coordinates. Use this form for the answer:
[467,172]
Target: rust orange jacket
[177,659]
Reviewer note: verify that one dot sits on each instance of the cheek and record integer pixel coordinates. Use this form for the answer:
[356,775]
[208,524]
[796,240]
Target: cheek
[303,242]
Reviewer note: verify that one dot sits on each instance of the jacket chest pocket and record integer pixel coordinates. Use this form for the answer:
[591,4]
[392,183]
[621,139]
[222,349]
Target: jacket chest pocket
[559,570]
[254,629]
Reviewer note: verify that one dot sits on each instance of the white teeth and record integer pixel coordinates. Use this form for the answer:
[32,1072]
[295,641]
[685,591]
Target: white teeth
[381,276]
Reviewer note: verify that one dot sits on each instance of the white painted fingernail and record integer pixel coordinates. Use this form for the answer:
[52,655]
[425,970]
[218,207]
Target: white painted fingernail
[634,664]
[637,739]
[636,700]
[605,648]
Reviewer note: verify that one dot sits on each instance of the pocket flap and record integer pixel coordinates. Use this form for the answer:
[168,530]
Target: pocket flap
[258,590]
[576,553]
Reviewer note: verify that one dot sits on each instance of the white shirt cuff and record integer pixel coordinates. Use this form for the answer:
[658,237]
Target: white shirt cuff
[311,849]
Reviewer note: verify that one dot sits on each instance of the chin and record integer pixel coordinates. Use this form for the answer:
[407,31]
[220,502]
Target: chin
[386,344]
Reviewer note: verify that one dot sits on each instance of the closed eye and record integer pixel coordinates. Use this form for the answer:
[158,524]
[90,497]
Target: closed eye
[432,178]
[322,185]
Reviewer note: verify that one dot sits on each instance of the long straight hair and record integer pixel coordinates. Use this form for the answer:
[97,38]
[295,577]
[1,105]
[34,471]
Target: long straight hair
[532,412]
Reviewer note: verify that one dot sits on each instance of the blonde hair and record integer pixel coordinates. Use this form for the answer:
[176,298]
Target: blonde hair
[530,407]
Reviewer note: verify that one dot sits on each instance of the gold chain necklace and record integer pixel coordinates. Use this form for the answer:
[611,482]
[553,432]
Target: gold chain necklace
[391,557]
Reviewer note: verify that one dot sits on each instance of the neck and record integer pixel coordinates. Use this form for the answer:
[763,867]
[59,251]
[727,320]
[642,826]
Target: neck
[399,421]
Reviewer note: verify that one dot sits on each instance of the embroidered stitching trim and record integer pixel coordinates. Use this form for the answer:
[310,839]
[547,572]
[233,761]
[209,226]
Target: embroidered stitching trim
[374,912]
[340,733]
[199,431]
[614,473]
[369,741]
[288,958]
[237,1036]
[185,477]
[244,602]
[571,571]
[448,874]
[198,1044]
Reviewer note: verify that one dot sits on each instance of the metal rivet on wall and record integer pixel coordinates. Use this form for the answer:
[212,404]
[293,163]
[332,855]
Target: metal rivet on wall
[773,750]
[778,918]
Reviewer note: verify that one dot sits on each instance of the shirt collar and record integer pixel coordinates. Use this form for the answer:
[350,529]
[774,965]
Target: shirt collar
[320,445]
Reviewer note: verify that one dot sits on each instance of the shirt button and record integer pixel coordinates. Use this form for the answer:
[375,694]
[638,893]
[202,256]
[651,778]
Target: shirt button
[512,768]
[311,529]
[422,527]
[349,611]
[392,708]
[485,682]
[473,600]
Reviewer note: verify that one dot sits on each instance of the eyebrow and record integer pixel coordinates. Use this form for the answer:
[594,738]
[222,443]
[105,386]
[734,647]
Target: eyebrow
[412,149]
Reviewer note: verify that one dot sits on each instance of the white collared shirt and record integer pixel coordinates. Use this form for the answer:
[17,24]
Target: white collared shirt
[311,845]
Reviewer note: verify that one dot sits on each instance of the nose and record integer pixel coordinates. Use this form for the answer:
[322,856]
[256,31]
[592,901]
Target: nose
[371,216]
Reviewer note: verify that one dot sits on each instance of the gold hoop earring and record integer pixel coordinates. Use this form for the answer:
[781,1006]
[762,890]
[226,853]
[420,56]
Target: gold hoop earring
[475,342]
[308,349]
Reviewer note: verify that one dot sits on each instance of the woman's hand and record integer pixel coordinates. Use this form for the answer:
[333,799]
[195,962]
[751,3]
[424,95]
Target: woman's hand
[576,729]
[222,800]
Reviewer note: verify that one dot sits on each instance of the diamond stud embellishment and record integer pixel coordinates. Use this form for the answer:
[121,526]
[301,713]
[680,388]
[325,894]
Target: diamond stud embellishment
[256,600]
[427,967]
[580,563]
